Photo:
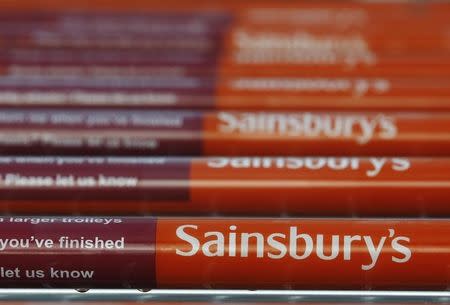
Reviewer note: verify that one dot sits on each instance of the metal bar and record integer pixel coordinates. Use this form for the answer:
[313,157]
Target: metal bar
[225,296]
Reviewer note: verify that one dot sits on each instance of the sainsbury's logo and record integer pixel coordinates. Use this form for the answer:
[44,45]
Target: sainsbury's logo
[362,128]
[293,244]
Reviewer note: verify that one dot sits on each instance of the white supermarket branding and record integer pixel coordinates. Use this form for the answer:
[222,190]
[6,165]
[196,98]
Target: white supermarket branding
[372,169]
[362,128]
[278,245]
[356,87]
